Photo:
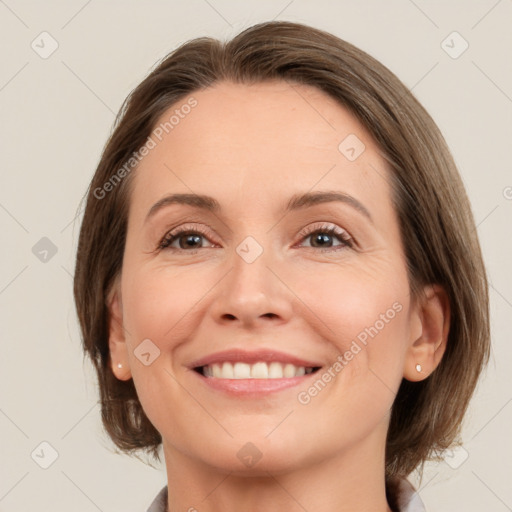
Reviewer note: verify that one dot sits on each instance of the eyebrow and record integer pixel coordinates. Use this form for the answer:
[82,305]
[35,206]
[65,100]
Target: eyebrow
[297,202]
[199,201]
[300,201]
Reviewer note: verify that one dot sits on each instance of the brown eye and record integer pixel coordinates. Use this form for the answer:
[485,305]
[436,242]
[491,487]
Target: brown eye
[184,239]
[326,237]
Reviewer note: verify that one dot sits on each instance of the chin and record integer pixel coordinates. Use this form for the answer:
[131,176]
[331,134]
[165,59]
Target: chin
[257,455]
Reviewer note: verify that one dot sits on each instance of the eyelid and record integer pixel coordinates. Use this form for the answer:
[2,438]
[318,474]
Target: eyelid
[182,229]
[328,226]
[191,227]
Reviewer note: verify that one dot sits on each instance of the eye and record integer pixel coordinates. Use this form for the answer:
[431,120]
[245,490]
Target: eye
[187,238]
[324,236]
[190,238]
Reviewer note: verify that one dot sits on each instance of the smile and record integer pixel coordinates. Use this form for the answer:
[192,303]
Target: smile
[258,370]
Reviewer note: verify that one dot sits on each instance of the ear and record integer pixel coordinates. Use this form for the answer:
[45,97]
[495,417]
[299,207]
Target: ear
[428,344]
[117,338]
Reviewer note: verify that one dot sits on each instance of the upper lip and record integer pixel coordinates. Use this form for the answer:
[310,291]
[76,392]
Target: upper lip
[254,356]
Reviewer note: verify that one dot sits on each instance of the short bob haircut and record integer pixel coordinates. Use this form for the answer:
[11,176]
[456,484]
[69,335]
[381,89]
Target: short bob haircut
[436,223]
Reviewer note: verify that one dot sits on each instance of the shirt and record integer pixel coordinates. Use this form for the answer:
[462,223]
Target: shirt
[408,499]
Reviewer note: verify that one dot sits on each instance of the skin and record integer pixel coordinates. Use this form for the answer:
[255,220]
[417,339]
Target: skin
[252,148]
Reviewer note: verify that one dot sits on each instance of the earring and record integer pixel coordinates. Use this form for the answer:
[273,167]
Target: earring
[418,367]
[119,365]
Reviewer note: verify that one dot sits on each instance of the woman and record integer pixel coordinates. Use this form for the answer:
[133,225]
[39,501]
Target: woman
[278,278]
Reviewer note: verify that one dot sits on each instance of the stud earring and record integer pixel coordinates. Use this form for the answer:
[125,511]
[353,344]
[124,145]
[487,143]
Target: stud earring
[418,367]
[119,365]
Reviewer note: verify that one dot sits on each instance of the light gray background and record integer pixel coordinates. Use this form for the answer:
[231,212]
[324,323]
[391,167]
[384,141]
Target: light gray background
[56,114]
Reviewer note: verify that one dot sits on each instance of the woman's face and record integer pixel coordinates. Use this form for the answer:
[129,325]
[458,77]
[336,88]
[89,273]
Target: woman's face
[276,273]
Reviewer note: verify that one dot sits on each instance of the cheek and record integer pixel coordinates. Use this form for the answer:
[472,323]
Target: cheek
[362,309]
[158,301]
[364,321]
[159,304]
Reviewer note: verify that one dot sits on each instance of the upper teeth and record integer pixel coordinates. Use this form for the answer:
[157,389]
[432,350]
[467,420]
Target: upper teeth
[258,370]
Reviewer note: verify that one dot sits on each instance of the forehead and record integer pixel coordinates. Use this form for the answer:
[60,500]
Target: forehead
[251,142]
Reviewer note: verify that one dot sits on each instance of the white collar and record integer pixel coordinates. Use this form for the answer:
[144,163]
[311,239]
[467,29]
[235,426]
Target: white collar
[408,499]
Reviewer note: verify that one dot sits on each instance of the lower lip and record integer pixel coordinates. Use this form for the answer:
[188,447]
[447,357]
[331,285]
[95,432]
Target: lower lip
[254,387]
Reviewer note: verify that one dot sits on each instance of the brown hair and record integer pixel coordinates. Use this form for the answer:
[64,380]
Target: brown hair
[437,227]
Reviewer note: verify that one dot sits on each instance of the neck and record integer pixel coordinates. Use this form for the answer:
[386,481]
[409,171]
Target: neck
[348,481]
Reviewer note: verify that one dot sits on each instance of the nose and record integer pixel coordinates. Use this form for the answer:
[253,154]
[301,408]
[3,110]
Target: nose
[253,294]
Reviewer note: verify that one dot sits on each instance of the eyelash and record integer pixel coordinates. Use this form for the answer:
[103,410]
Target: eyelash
[345,239]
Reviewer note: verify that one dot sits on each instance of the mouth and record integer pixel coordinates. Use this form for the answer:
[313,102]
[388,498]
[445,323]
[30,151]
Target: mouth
[257,370]
[253,374]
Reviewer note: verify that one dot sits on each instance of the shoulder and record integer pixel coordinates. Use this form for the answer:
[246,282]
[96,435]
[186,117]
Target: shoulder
[159,504]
